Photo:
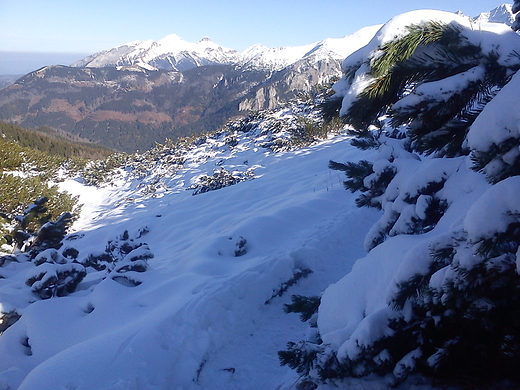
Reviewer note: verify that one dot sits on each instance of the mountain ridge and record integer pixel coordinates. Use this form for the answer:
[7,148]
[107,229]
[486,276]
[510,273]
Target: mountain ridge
[131,96]
[125,102]
[501,14]
[174,53]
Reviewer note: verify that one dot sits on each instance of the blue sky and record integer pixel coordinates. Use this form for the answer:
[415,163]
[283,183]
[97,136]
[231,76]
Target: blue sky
[70,26]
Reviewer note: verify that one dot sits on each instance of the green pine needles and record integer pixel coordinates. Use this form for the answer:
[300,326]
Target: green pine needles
[403,48]
[399,64]
[408,84]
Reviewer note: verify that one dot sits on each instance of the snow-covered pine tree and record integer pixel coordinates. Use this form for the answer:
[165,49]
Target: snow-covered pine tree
[54,274]
[434,80]
[124,258]
[459,317]
[51,234]
[494,149]
[36,211]
[454,317]
[429,84]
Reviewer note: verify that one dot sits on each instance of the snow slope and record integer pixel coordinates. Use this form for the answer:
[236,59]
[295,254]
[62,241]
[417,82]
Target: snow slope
[202,317]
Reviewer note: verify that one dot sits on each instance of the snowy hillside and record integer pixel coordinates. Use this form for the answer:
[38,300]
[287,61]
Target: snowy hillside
[202,316]
[173,53]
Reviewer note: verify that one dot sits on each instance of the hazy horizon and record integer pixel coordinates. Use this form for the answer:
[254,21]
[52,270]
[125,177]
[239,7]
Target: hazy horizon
[21,63]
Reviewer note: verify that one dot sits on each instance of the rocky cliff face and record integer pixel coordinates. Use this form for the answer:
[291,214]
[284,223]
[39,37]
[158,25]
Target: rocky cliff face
[301,76]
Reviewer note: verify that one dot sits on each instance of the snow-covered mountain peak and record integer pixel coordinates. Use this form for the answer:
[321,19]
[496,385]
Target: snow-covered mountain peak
[341,48]
[172,39]
[277,58]
[501,14]
[174,44]
[333,48]
[169,53]
[174,53]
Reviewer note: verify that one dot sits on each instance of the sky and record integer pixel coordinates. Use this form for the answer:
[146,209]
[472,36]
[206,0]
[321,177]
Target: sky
[86,27]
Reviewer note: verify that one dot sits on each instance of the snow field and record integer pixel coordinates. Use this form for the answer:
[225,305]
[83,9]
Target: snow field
[200,318]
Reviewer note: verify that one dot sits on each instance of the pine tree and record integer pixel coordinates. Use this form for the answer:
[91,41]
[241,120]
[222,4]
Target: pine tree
[457,319]
[52,233]
[35,214]
[124,259]
[430,84]
[413,79]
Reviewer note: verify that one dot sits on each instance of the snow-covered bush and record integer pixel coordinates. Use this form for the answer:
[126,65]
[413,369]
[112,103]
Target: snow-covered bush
[124,259]
[54,275]
[24,221]
[221,178]
[53,269]
[49,234]
[437,99]
[49,272]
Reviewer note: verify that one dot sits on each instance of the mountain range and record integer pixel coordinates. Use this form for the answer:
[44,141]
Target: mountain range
[134,95]
[172,53]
